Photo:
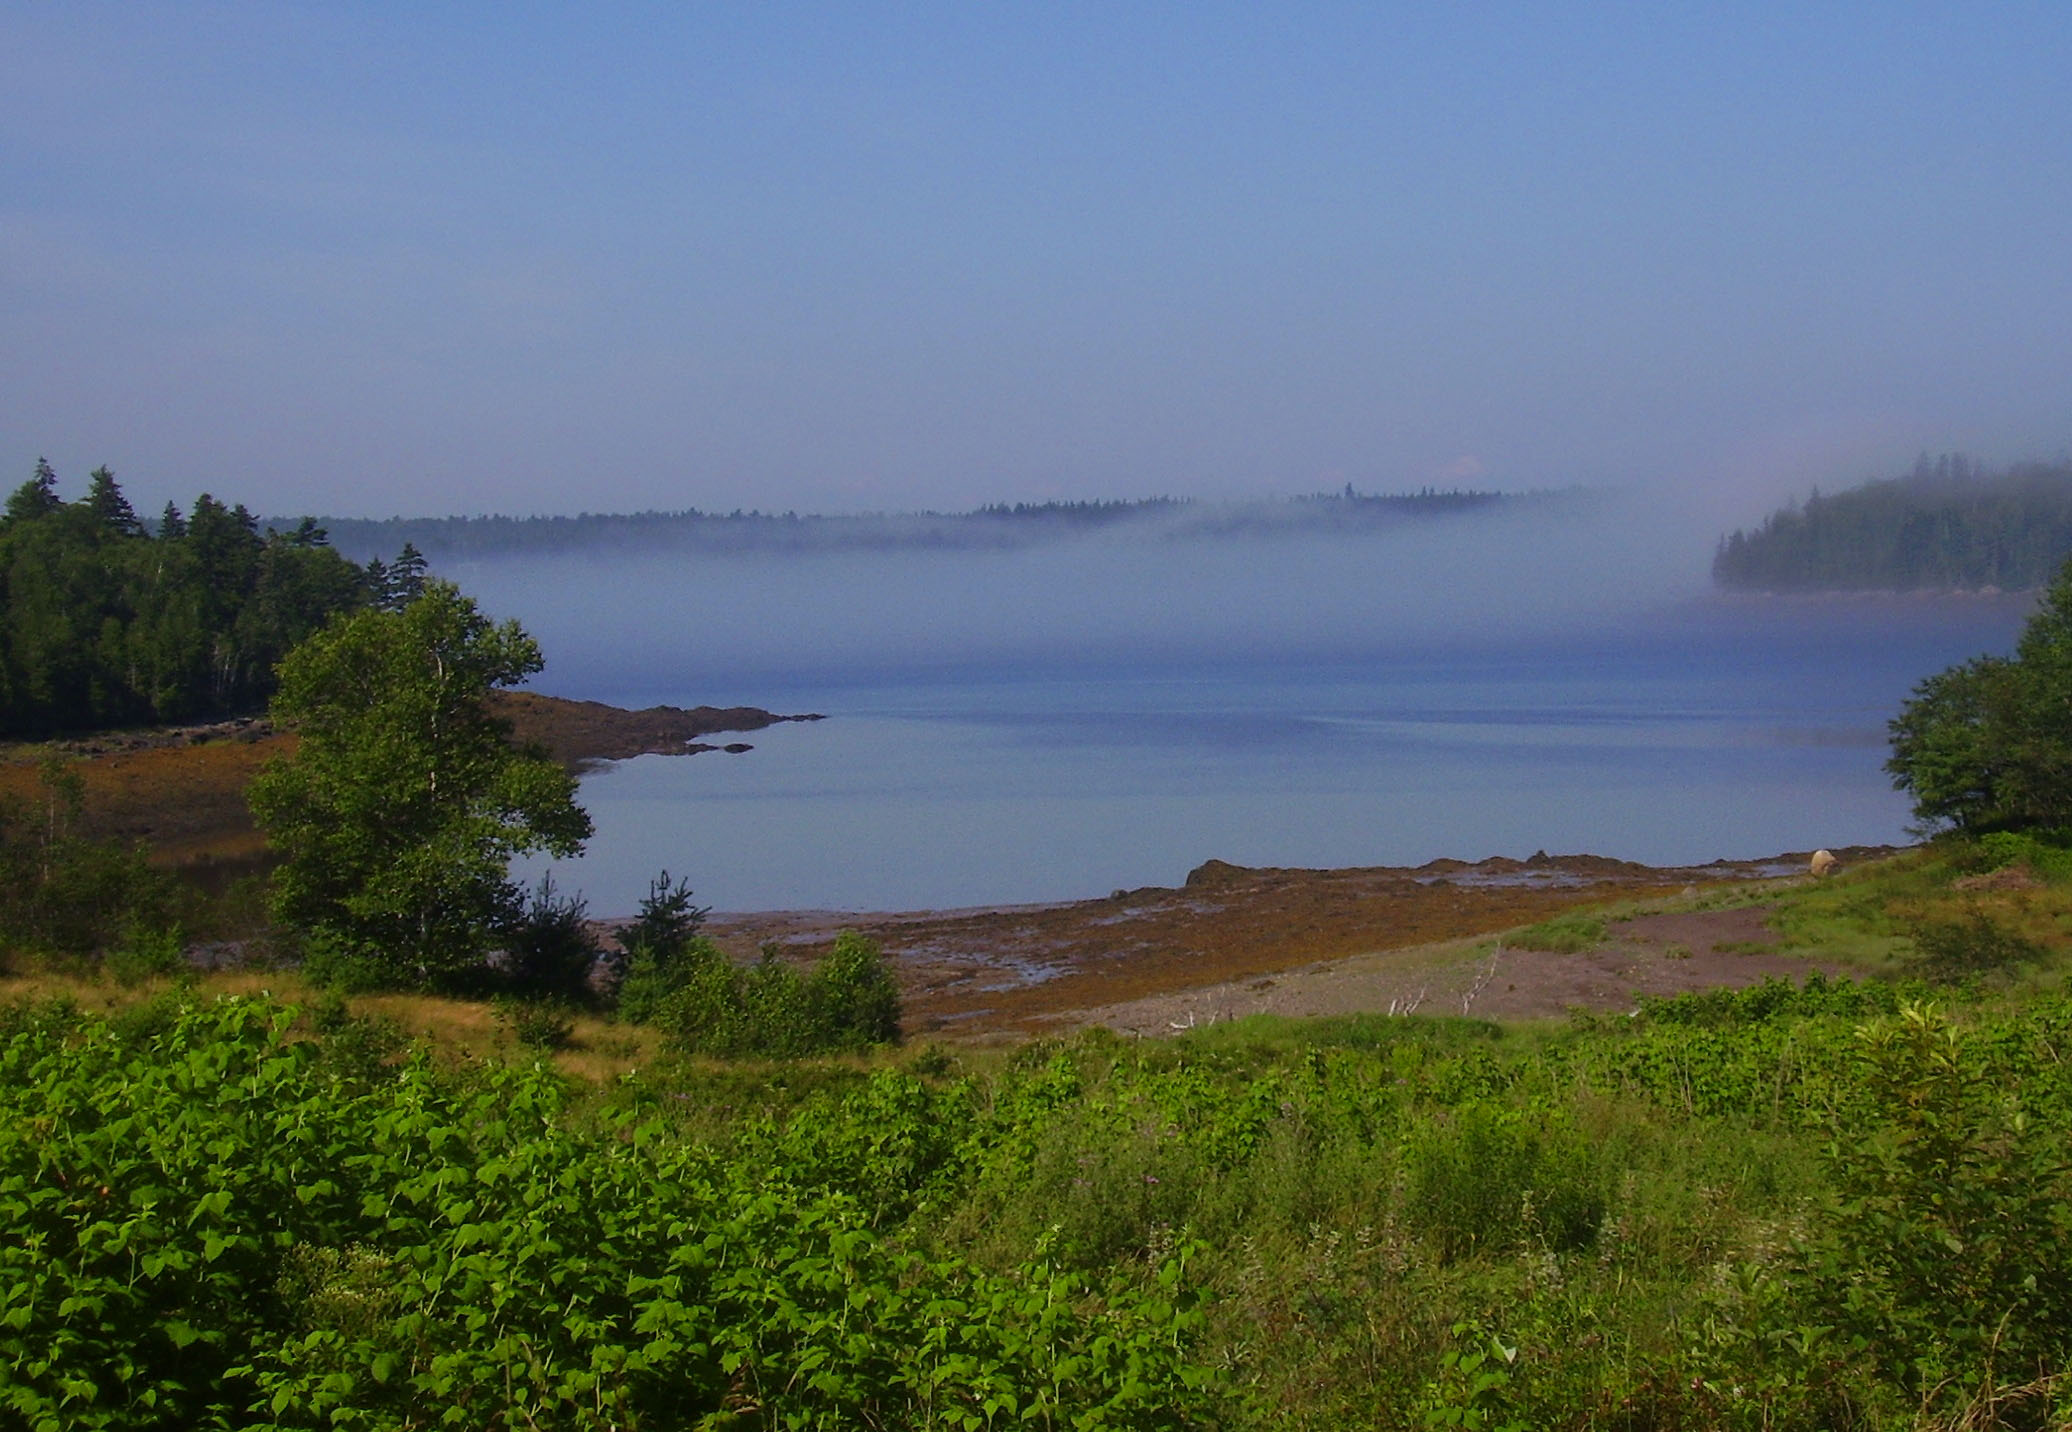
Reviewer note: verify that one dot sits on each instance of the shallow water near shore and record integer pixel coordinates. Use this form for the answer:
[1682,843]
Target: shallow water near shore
[1707,730]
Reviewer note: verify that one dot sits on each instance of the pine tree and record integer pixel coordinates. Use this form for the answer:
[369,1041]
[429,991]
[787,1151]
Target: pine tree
[38,497]
[405,579]
[105,501]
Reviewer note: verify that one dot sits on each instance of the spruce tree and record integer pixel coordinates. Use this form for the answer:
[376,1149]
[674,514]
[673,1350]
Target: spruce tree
[38,497]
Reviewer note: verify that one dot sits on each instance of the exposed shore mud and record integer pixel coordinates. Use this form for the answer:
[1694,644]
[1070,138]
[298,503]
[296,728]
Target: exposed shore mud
[1235,941]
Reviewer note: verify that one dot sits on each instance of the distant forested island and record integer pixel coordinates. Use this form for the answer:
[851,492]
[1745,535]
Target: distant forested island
[995,527]
[1949,525]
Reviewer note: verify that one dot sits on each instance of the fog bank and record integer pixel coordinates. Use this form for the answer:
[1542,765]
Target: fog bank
[619,625]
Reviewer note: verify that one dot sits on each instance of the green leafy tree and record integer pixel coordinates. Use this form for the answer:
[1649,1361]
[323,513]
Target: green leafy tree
[399,813]
[1987,745]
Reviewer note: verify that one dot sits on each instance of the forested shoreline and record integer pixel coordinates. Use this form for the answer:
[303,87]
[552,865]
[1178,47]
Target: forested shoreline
[1949,525]
[108,621]
[998,526]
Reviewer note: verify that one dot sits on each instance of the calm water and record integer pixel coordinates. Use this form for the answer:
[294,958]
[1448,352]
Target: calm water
[1706,730]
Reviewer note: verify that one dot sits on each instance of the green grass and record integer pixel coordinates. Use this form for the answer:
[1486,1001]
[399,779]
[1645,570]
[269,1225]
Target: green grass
[1568,933]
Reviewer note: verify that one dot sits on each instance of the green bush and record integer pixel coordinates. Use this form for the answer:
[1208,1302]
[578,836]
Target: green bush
[1973,945]
[656,956]
[852,997]
[708,1005]
[64,895]
[301,1250]
[537,1023]
[147,954]
[1489,1178]
[1944,1254]
[2047,853]
[549,949]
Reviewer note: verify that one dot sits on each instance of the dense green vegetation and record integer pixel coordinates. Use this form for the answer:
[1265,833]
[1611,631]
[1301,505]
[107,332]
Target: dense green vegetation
[1986,745]
[1832,1205]
[1841,1205]
[685,985]
[214,1224]
[1948,525]
[66,896]
[105,622]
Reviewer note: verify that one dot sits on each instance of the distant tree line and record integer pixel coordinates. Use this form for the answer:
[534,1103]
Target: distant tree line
[107,621]
[997,526]
[1947,525]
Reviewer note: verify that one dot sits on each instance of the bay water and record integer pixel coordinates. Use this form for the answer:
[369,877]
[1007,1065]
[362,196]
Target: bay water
[1020,759]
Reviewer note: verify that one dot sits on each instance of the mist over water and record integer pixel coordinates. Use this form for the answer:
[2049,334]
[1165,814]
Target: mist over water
[1106,712]
[1150,592]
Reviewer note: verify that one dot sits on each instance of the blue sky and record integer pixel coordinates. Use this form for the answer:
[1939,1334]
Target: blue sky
[373,259]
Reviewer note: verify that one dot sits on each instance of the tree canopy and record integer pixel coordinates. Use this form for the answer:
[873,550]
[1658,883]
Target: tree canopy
[104,624]
[399,812]
[1987,745]
[1947,525]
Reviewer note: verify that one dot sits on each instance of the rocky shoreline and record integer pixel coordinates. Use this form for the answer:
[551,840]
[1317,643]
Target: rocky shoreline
[583,734]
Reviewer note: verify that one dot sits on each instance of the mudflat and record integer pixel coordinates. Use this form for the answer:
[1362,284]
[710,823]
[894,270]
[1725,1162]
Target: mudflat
[1233,941]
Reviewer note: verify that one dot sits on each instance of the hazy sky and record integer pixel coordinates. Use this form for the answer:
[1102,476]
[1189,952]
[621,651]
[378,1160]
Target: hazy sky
[369,259]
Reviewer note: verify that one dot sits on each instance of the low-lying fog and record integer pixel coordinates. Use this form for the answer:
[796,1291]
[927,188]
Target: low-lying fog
[616,625]
[1107,711]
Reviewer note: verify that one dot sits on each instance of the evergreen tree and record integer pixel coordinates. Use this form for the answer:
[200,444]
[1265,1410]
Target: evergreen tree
[110,508]
[38,497]
[405,580]
[102,624]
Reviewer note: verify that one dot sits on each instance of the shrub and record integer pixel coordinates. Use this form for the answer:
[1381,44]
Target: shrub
[852,997]
[549,949]
[64,895]
[1944,1254]
[657,958]
[710,1006]
[1952,951]
[147,954]
[1486,1179]
[537,1023]
[2047,853]
[430,1250]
